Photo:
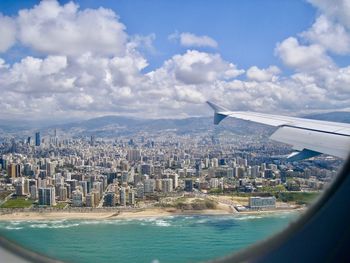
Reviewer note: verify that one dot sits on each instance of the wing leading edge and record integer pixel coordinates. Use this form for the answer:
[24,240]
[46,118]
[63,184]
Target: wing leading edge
[308,137]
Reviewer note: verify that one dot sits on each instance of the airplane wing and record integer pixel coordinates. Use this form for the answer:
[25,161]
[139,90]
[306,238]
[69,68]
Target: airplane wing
[308,137]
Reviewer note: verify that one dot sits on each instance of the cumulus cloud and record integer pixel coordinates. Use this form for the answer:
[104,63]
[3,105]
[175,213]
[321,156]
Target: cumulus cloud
[268,74]
[191,40]
[7,32]
[196,67]
[337,9]
[89,66]
[332,36]
[302,57]
[34,75]
[64,29]
[144,42]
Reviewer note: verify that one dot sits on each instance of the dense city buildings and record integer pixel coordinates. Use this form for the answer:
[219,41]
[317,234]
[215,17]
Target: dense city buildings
[135,172]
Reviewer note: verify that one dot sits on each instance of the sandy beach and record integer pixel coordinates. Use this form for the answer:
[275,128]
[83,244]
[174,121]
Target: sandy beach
[54,215]
[153,212]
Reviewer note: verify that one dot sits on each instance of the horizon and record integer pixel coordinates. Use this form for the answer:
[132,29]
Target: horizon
[44,123]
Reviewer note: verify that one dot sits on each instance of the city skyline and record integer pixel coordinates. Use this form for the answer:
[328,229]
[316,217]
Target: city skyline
[294,64]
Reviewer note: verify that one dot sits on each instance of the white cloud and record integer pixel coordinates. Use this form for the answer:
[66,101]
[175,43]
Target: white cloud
[188,94]
[330,35]
[191,40]
[34,75]
[336,9]
[268,74]
[90,66]
[144,42]
[196,67]
[54,29]
[7,32]
[3,64]
[302,57]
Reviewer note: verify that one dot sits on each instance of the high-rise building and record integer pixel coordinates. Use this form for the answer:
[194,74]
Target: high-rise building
[214,182]
[188,185]
[33,192]
[140,190]
[149,186]
[98,186]
[62,193]
[77,198]
[230,172]
[239,172]
[255,171]
[124,176]
[19,188]
[92,140]
[122,194]
[14,170]
[198,167]
[109,199]
[167,185]
[146,169]
[50,168]
[175,178]
[90,200]
[97,197]
[37,139]
[26,186]
[84,186]
[131,197]
[47,196]
[28,170]
[158,185]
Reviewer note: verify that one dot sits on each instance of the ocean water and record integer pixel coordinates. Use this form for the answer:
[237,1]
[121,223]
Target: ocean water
[156,240]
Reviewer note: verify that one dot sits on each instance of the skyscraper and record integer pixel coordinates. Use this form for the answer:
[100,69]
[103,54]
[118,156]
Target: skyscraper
[188,185]
[90,200]
[77,198]
[33,192]
[122,196]
[37,139]
[131,197]
[109,199]
[47,196]
[167,185]
[62,193]
[149,186]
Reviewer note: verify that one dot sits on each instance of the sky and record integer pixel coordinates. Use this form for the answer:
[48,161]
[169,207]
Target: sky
[163,59]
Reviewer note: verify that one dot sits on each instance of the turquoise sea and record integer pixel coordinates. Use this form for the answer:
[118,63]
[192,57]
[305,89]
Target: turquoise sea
[163,239]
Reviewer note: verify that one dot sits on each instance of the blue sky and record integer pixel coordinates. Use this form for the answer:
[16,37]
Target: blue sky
[155,58]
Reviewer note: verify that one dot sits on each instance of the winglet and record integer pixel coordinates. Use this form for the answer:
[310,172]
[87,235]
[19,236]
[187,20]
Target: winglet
[304,154]
[220,112]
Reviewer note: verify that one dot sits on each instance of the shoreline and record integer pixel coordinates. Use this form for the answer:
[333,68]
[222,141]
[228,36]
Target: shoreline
[148,213]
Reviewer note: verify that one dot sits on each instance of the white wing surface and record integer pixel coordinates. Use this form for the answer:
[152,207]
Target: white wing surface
[308,137]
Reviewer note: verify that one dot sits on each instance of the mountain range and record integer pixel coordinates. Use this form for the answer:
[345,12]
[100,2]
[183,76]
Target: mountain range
[108,126]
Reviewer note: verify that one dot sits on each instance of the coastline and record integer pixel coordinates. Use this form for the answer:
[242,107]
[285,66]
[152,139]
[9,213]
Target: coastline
[154,212]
